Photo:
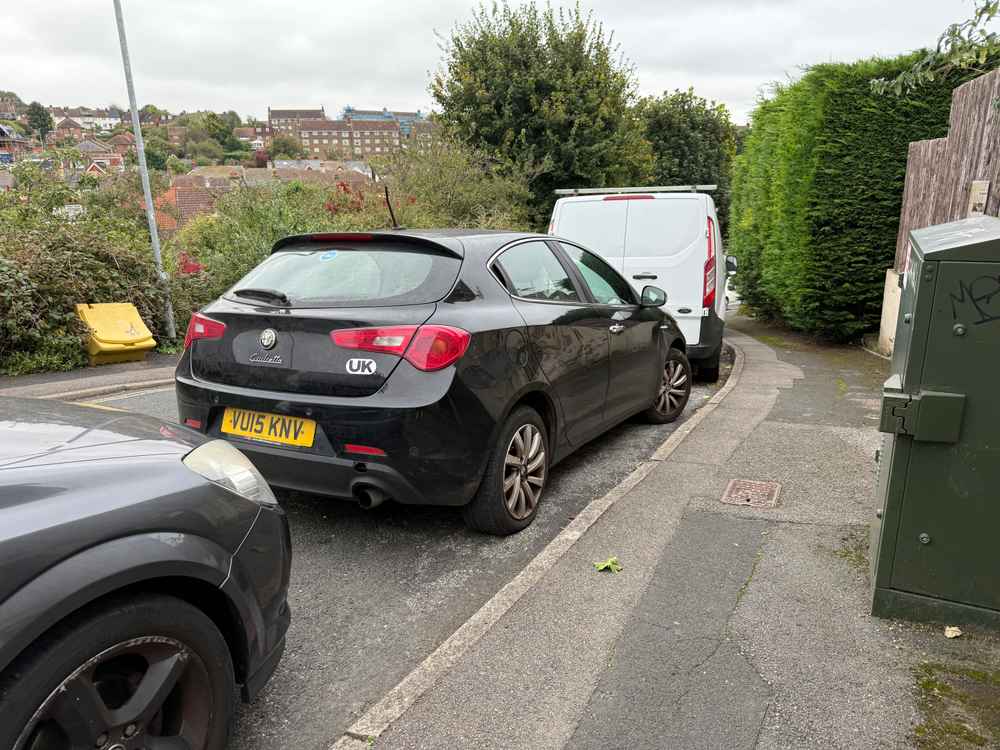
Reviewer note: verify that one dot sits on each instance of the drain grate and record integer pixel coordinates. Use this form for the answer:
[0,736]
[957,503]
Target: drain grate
[751,493]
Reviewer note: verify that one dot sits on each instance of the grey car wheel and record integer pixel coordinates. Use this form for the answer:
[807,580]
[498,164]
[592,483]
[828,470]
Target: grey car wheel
[673,390]
[524,471]
[515,476]
[675,386]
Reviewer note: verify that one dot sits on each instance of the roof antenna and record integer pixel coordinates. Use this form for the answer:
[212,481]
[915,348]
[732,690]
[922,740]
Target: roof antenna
[392,214]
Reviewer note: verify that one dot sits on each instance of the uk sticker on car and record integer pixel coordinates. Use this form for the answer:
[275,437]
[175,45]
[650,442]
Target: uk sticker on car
[361,366]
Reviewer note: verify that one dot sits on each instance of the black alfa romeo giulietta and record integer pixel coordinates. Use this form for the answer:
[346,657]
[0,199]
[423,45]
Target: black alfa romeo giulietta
[451,367]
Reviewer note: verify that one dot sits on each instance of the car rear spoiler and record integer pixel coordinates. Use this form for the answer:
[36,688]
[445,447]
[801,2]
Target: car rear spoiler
[446,245]
[656,189]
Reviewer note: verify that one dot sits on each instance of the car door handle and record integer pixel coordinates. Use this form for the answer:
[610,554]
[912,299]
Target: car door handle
[616,328]
[644,275]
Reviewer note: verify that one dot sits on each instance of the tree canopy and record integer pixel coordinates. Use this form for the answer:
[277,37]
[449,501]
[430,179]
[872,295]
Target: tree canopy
[546,90]
[39,120]
[967,46]
[285,147]
[693,142]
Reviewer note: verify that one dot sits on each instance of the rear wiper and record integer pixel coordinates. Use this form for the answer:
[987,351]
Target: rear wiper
[265,295]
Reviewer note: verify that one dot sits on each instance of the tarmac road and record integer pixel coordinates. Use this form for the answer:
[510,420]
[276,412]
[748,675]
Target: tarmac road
[374,592]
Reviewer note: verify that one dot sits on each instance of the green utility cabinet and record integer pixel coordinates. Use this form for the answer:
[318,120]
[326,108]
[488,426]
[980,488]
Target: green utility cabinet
[936,537]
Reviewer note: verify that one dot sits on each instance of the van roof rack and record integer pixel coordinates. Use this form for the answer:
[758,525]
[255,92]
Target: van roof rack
[656,189]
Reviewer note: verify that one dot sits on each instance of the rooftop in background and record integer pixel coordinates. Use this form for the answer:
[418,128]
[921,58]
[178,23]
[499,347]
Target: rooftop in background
[405,119]
[296,114]
[100,119]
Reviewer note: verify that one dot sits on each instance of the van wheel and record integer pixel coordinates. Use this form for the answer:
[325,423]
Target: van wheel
[508,497]
[673,391]
[708,370]
[144,671]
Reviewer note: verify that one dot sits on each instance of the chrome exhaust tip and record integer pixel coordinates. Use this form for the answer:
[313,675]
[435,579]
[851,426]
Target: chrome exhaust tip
[369,497]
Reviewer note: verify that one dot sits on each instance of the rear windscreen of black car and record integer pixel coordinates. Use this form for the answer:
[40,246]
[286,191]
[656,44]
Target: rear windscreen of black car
[375,275]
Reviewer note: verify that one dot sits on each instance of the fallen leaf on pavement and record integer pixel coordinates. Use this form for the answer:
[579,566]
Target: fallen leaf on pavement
[951,631]
[611,564]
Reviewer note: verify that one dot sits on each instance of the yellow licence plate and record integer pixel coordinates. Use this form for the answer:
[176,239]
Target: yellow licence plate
[270,428]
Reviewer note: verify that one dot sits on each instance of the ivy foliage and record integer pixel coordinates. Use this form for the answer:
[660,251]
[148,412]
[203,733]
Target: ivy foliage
[817,192]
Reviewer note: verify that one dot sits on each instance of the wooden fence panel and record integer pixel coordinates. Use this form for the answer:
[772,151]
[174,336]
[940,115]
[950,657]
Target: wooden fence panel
[940,172]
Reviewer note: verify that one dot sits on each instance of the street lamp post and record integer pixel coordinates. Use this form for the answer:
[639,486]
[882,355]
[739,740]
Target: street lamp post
[144,175]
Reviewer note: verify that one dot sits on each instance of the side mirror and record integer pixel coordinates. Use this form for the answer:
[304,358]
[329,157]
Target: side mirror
[731,265]
[653,296]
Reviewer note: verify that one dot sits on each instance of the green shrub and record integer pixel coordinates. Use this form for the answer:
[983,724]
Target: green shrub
[817,193]
[444,186]
[18,321]
[53,354]
[50,263]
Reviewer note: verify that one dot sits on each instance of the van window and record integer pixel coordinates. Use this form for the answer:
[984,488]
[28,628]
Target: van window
[664,227]
[596,224]
[535,273]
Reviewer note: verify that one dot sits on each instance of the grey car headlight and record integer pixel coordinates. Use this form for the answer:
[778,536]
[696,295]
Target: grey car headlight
[221,463]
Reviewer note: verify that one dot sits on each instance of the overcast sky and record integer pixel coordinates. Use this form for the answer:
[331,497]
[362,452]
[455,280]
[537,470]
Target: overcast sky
[248,54]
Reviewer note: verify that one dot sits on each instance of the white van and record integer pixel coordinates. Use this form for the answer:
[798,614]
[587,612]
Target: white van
[660,236]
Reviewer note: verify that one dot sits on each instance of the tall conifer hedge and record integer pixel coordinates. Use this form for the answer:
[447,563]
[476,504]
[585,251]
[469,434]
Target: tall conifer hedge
[817,193]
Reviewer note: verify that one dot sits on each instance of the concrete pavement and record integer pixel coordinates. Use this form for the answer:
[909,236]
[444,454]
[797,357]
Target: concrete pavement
[374,592]
[730,626]
[91,382]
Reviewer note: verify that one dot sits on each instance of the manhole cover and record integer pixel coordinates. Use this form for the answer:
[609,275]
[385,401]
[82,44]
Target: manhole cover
[751,493]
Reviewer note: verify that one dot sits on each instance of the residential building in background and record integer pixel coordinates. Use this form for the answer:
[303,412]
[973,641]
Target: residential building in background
[286,121]
[176,134]
[9,108]
[101,157]
[348,139]
[191,195]
[262,135]
[12,145]
[404,119]
[88,119]
[322,136]
[122,143]
[67,129]
[422,135]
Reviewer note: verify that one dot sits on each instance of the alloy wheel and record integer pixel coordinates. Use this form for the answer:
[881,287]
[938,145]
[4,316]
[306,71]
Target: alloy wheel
[151,693]
[673,387]
[524,471]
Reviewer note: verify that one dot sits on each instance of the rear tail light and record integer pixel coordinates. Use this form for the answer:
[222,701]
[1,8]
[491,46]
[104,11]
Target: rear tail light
[201,327]
[364,450]
[708,288]
[427,348]
[390,340]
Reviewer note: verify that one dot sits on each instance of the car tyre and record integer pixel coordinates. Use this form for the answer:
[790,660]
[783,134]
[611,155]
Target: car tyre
[673,390]
[515,478]
[157,666]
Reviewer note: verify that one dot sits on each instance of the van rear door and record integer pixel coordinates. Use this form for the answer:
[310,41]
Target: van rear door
[666,245]
[596,223]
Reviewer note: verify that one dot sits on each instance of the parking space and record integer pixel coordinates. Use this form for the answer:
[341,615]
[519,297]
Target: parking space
[374,592]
